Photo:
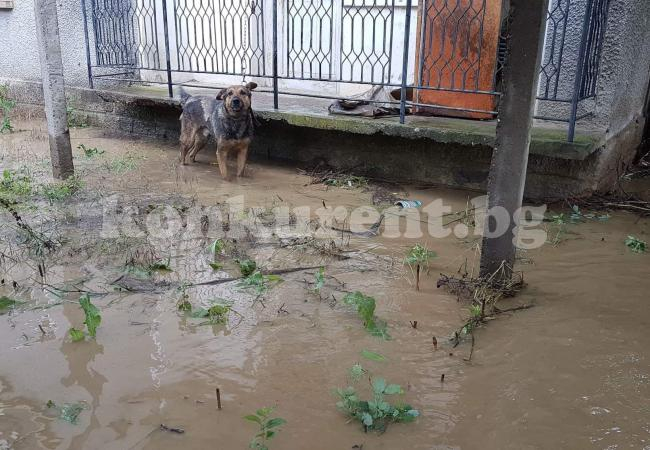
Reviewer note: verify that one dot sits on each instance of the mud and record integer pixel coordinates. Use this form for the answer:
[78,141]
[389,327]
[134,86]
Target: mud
[572,372]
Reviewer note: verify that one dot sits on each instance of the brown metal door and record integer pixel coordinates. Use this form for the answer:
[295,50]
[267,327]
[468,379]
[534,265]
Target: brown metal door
[456,52]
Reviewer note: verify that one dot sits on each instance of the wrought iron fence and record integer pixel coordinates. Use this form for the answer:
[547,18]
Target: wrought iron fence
[446,52]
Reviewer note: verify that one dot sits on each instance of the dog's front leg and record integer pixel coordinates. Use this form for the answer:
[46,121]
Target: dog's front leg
[242,156]
[222,159]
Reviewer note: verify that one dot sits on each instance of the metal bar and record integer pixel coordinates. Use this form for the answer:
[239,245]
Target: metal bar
[275,54]
[88,63]
[167,57]
[579,72]
[405,62]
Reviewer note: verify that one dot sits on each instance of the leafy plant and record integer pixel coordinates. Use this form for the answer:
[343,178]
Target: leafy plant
[74,118]
[123,164]
[356,372]
[61,190]
[216,265]
[14,185]
[372,356]
[92,320]
[90,152]
[259,282]
[347,181]
[76,335]
[635,244]
[376,413]
[475,310]
[217,247]
[419,257]
[365,306]
[7,303]
[247,267]
[161,266]
[268,427]
[217,313]
[320,280]
[68,411]
[6,105]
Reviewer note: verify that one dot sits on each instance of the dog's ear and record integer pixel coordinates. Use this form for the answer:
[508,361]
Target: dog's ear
[250,86]
[221,94]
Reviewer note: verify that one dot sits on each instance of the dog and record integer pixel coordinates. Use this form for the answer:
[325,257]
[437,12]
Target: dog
[227,118]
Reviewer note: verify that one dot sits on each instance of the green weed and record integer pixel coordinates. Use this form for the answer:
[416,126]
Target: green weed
[268,427]
[372,356]
[6,106]
[375,413]
[259,282]
[92,321]
[14,185]
[347,181]
[7,304]
[319,280]
[126,163]
[217,313]
[635,244]
[59,191]
[365,306]
[247,267]
[90,152]
[75,119]
[419,257]
[68,411]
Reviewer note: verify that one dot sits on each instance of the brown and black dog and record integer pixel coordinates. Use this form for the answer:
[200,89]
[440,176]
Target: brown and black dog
[226,118]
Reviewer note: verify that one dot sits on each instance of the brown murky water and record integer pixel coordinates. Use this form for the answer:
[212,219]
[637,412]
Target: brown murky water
[570,373]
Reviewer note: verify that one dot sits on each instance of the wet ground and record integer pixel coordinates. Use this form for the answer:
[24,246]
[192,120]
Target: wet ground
[572,372]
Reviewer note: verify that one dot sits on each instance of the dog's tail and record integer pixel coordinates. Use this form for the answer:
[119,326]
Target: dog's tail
[184,95]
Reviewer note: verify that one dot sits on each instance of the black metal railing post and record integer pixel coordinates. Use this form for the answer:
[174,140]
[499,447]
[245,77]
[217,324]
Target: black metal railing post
[405,62]
[580,66]
[170,85]
[275,54]
[90,68]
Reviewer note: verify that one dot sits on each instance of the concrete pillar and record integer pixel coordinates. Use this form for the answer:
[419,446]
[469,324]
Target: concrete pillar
[47,31]
[510,157]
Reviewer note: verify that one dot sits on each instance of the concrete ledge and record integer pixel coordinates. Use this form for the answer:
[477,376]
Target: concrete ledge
[442,151]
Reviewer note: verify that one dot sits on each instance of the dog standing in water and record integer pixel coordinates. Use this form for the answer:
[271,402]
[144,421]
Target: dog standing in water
[227,118]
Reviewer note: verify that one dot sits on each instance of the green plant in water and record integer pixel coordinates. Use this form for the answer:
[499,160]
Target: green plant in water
[247,267]
[365,306]
[372,356]
[319,280]
[123,164]
[61,190]
[92,320]
[217,247]
[74,118]
[6,105]
[348,181]
[90,152]
[635,244]
[68,411]
[217,313]
[268,427]
[15,185]
[259,282]
[376,413]
[7,304]
[419,257]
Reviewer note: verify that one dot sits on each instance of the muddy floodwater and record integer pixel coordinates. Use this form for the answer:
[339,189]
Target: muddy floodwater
[571,372]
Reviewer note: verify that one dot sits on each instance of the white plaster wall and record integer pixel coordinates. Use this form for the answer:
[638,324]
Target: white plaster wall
[18,46]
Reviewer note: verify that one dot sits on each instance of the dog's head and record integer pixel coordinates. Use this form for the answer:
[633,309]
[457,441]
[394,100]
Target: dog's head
[237,99]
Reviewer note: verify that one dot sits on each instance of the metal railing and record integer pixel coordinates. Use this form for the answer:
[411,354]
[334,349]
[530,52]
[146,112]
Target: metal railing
[448,50]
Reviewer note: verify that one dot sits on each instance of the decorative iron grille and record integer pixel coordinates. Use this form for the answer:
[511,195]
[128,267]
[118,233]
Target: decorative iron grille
[346,41]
